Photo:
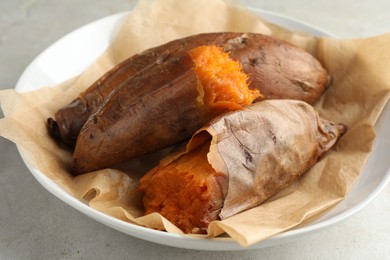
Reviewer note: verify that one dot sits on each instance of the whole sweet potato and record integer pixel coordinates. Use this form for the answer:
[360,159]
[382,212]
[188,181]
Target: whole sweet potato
[278,69]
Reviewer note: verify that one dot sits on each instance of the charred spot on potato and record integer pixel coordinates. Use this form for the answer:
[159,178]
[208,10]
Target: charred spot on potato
[254,61]
[248,156]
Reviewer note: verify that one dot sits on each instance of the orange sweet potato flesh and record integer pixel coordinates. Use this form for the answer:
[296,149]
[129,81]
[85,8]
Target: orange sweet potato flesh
[278,69]
[224,84]
[153,112]
[186,192]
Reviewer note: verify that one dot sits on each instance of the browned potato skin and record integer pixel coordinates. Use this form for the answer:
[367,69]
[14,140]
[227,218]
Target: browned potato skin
[153,113]
[278,69]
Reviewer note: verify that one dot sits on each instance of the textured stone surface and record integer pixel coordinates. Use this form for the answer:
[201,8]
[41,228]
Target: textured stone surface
[53,230]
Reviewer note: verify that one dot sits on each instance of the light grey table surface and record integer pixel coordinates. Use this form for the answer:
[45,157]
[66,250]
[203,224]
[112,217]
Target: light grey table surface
[36,225]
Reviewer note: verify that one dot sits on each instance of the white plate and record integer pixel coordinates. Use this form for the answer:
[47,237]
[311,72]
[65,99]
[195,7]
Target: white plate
[81,47]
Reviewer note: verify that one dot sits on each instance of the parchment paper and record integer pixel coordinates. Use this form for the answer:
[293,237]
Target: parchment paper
[361,87]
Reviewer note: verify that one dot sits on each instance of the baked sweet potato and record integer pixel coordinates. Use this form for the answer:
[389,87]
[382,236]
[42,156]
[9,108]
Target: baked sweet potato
[277,68]
[237,162]
[186,90]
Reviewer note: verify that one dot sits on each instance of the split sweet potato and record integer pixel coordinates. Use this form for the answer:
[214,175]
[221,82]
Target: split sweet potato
[277,68]
[162,107]
[237,162]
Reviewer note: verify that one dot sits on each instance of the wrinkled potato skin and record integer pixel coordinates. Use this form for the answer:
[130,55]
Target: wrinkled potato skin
[248,156]
[278,69]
